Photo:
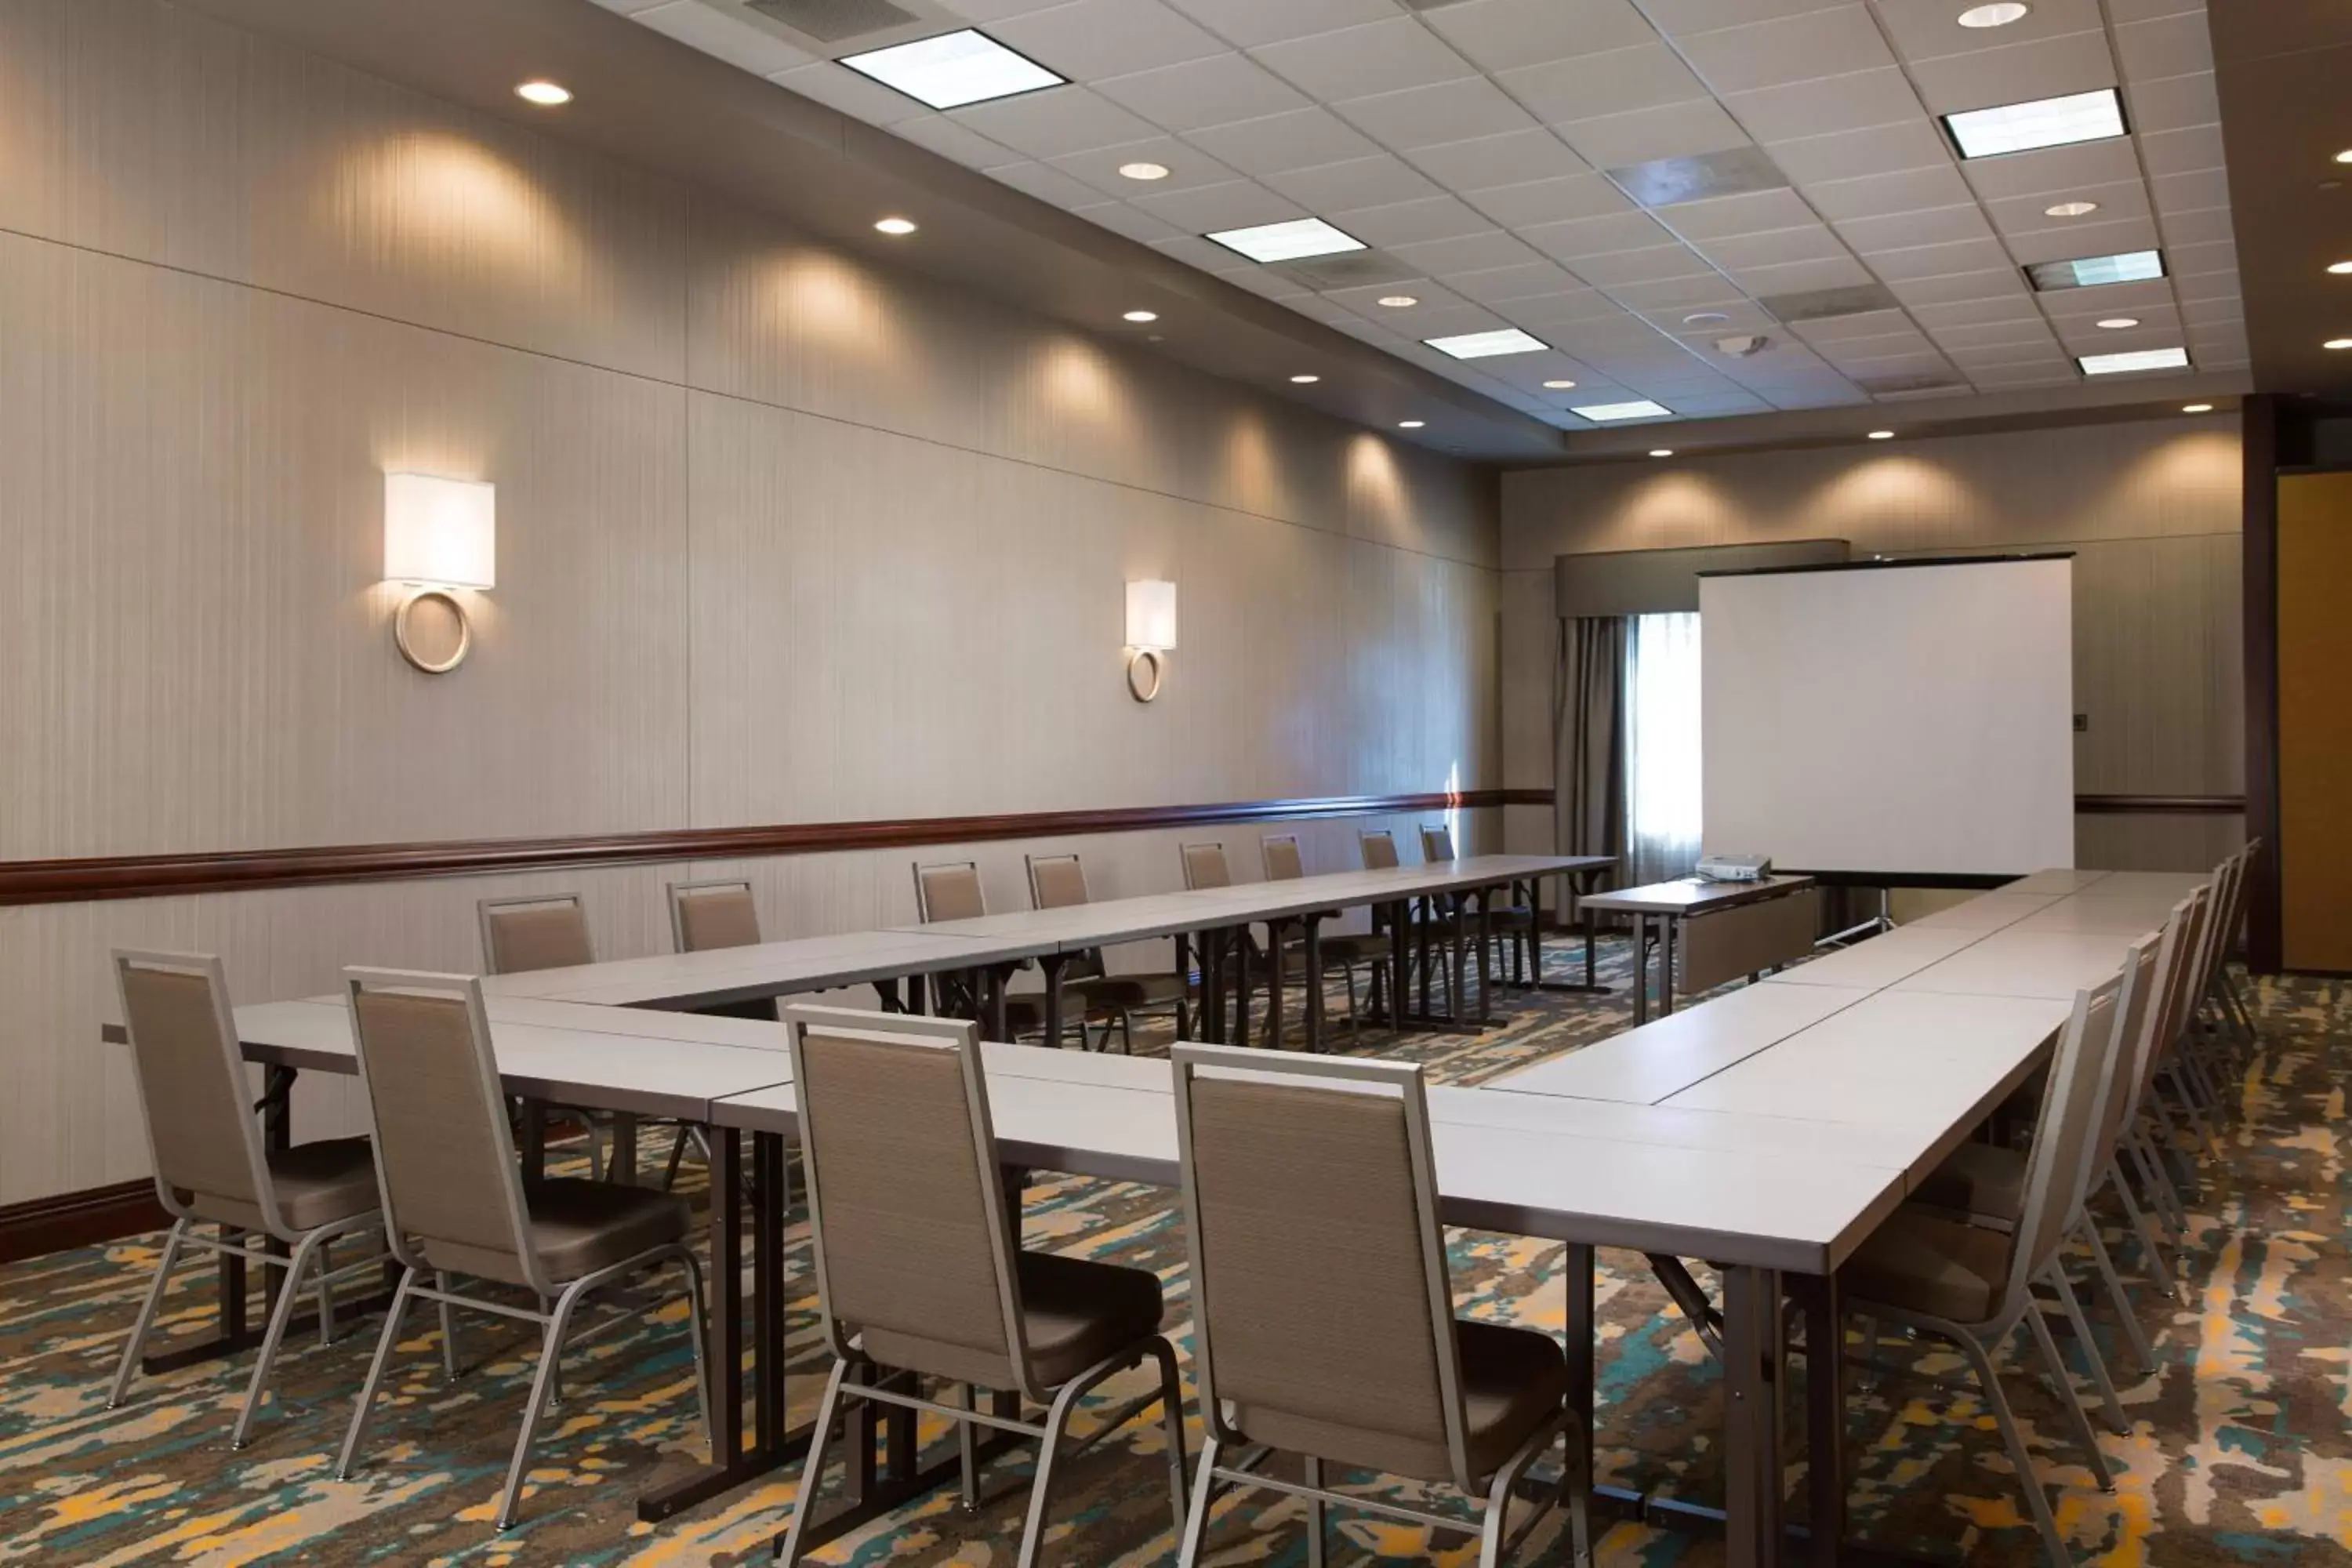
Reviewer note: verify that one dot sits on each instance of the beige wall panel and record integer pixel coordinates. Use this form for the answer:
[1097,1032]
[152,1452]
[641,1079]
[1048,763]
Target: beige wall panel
[196,653]
[2160,655]
[2158,843]
[152,132]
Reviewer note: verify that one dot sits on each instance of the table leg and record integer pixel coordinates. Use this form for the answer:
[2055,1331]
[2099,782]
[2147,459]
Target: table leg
[1185,978]
[1240,939]
[1424,923]
[534,1140]
[1486,952]
[730,1464]
[1751,1391]
[772,1196]
[1665,966]
[1399,963]
[1576,1269]
[997,1029]
[1825,1472]
[1051,963]
[1641,969]
[623,1171]
[1274,998]
[1314,955]
[1213,986]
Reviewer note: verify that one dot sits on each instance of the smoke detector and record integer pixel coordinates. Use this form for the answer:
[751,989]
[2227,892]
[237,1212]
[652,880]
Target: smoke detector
[1742,346]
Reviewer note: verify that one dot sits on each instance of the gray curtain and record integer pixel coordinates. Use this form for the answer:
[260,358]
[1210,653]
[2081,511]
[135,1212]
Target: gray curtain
[1587,727]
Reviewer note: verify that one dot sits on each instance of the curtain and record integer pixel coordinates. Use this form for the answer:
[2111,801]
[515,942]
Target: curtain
[1661,748]
[1589,738]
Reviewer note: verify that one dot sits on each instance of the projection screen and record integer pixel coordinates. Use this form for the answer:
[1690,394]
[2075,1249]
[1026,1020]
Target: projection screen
[1909,718]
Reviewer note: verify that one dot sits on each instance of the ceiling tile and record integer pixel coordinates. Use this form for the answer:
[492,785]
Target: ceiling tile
[1236,204]
[992,11]
[2054,171]
[1621,267]
[1813,242]
[2035,336]
[730,38]
[2207,285]
[1047,183]
[2173,103]
[1825,106]
[1187,167]
[2192,192]
[1676,131]
[1802,276]
[1829,42]
[1710,16]
[1058,120]
[1993,283]
[1133,222]
[1298,139]
[1937,226]
[1210,91]
[2081,238]
[1431,116]
[1497,33]
[1880,195]
[1194,251]
[1573,238]
[1089,40]
[1936,316]
[1584,86]
[2108,299]
[2038,374]
[1501,285]
[2119,201]
[1550,201]
[1851,154]
[1938,260]
[1366,300]
[1413,223]
[1472,253]
[1930,29]
[2213,312]
[1376,181]
[2180,151]
[2188,260]
[838,87]
[1569,308]
[1665,300]
[1868,324]
[2016,72]
[950,140]
[2168,45]
[1251,22]
[1379,57]
[1514,158]
[1724,216]
[1267,281]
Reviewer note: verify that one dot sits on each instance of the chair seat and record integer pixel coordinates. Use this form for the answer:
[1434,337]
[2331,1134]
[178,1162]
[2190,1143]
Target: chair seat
[1131,990]
[1978,1179]
[1075,1311]
[1354,947]
[1513,1380]
[580,1226]
[318,1183]
[1917,1263]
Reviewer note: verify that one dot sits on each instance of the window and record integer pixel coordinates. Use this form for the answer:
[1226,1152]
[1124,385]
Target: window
[1662,747]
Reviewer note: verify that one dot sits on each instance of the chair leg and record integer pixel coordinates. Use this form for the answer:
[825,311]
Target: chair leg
[1041,1489]
[280,1316]
[697,1328]
[2136,1336]
[813,1467]
[1196,1519]
[448,1328]
[2143,1228]
[1172,1418]
[147,1310]
[677,1155]
[385,1341]
[2037,1501]
[2069,1401]
[968,1452]
[542,1384]
[326,1293]
[1316,1511]
[2081,1324]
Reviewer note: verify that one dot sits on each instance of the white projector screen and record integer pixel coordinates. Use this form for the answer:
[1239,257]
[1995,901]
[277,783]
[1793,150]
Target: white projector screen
[1912,719]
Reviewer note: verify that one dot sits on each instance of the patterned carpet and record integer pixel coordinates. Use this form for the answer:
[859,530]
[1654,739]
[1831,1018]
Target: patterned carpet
[2240,1448]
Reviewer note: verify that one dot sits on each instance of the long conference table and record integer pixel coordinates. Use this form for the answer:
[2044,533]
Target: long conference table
[1768,1130]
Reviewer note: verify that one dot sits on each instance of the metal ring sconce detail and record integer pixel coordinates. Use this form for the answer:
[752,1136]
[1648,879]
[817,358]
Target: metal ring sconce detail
[1143,673]
[420,642]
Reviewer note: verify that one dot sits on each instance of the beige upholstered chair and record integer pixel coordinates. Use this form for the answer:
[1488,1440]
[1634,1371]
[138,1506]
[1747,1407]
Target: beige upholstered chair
[1970,1284]
[1432,926]
[1059,881]
[212,1166]
[919,1269]
[1323,1320]
[456,1201]
[1342,951]
[519,935]
[708,915]
[1511,925]
[950,890]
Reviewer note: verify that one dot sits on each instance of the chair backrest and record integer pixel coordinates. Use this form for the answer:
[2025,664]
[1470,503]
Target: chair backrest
[2070,1107]
[2181,995]
[1056,882]
[906,1216]
[1204,866]
[1436,841]
[207,1153]
[1306,1183]
[2229,877]
[1379,850]
[705,915]
[1280,853]
[2145,1046]
[2138,1001]
[949,891]
[444,1159]
[522,934]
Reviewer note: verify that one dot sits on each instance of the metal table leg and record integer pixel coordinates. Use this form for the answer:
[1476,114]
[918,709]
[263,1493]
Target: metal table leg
[731,1463]
[1641,969]
[1314,955]
[1052,964]
[1753,1481]
[1826,1472]
[1274,998]
[1185,978]
[1666,924]
[1576,1270]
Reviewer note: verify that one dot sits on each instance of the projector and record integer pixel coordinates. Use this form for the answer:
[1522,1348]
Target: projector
[1734,868]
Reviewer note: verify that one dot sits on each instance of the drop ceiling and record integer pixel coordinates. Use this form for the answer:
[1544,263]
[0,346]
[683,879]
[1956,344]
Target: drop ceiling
[1599,173]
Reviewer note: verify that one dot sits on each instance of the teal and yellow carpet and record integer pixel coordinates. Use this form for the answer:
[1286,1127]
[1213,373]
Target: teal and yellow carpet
[2240,1448]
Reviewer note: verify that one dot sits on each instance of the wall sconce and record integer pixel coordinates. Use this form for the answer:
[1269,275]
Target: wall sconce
[439,534]
[1151,633]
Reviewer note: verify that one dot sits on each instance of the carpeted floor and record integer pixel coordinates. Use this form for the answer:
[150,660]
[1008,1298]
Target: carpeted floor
[2240,1448]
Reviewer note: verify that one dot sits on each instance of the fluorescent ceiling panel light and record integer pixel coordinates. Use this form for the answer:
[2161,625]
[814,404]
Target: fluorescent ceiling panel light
[1289,241]
[1603,413]
[2042,123]
[2090,271]
[2143,359]
[1484,345]
[953,70]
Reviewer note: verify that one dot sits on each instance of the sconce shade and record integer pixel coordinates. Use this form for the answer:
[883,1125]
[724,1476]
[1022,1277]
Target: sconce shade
[1151,615]
[440,532]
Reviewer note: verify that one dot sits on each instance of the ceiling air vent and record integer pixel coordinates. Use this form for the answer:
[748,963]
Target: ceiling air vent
[1910,385]
[834,21]
[1351,270]
[1820,304]
[1431,5]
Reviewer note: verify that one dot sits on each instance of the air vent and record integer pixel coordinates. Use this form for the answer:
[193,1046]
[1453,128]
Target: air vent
[1352,270]
[1910,385]
[1431,4]
[834,21]
[1820,304]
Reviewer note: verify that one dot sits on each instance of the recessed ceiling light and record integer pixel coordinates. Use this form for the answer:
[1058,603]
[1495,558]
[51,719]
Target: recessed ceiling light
[896,225]
[2091,271]
[1484,345]
[2339,267]
[2143,359]
[2070,209]
[540,91]
[1306,380]
[1662,452]
[1882,435]
[1558,385]
[1409,424]
[1399,301]
[952,70]
[1144,171]
[2197,409]
[1999,15]
[2040,122]
[1705,318]
[2345,156]
[2117,323]
[1292,241]
[1602,412]
[2337,344]
[1141,316]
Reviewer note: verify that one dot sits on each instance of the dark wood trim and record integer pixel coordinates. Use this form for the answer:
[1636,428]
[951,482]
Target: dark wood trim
[2259,421]
[2159,805]
[158,876]
[78,1219]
